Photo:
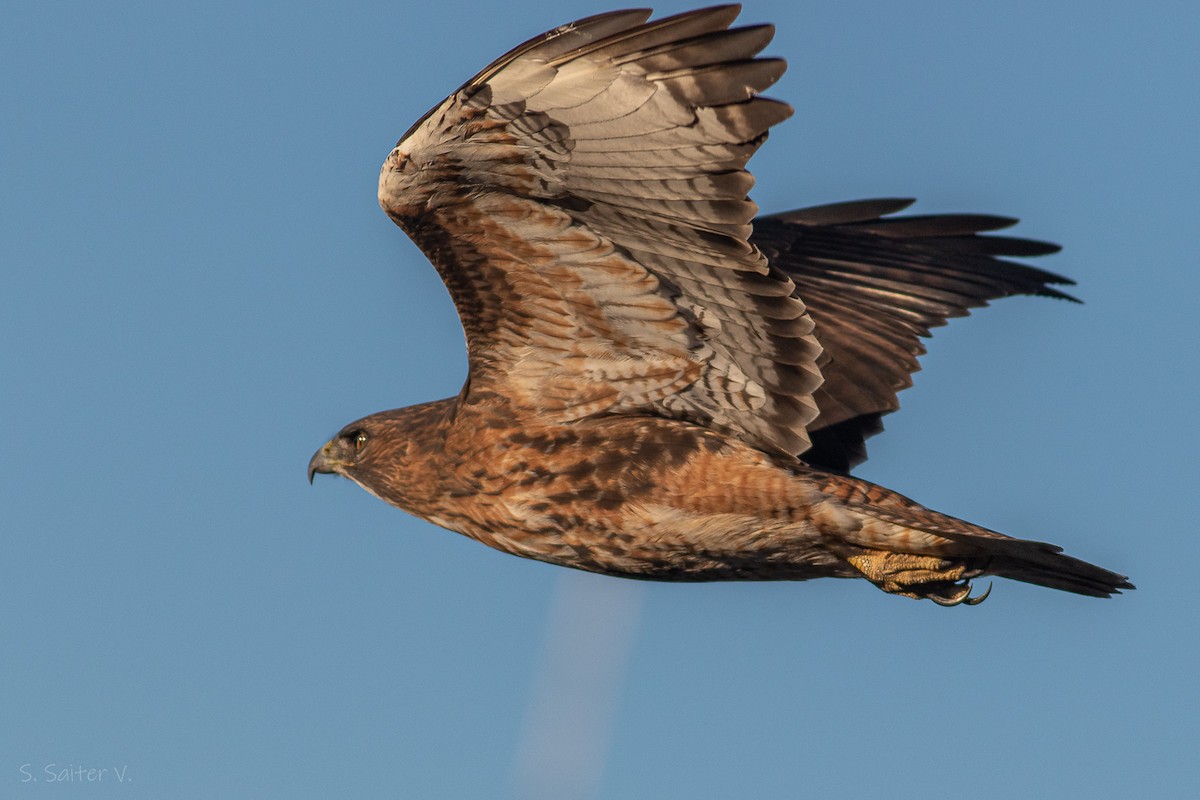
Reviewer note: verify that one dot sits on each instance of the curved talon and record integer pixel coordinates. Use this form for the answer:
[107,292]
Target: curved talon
[974,601]
[961,597]
[953,600]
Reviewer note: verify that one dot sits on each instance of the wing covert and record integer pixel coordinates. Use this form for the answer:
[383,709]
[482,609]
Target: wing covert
[584,198]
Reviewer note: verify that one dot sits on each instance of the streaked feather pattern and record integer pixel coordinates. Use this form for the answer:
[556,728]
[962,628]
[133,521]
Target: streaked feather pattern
[648,270]
[662,386]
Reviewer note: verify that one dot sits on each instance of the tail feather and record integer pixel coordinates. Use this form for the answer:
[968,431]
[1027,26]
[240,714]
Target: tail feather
[1039,563]
[963,544]
[1058,571]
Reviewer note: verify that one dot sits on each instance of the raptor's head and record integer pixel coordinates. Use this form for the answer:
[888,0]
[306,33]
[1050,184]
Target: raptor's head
[340,455]
[391,454]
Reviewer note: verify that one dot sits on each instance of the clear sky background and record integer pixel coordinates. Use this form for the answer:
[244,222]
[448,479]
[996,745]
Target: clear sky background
[198,289]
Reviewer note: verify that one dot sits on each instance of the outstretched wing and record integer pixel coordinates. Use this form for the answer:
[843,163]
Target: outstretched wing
[874,286]
[584,200]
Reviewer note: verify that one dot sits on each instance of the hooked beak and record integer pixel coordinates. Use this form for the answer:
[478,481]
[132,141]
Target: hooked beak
[322,462]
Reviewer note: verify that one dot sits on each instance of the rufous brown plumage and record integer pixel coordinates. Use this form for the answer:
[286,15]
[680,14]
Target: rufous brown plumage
[662,385]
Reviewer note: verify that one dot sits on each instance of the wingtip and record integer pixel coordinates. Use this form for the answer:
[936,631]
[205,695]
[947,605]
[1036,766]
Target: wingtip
[844,213]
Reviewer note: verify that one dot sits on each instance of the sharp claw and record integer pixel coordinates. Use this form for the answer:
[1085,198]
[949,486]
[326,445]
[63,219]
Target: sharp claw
[955,599]
[962,597]
[944,581]
[974,601]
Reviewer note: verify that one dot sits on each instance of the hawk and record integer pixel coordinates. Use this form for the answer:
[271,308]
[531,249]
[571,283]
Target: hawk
[661,385]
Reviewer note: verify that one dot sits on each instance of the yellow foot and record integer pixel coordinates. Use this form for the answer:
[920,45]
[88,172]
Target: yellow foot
[921,577]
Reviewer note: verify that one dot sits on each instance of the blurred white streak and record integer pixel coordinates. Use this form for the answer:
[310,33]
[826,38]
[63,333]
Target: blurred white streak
[590,631]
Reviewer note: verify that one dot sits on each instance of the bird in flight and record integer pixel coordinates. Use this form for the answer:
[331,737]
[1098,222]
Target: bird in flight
[661,384]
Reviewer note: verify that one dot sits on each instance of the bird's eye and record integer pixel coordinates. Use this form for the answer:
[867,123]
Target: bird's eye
[360,441]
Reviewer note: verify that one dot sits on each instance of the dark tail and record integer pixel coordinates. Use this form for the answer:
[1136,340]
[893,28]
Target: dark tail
[1046,565]
[966,545]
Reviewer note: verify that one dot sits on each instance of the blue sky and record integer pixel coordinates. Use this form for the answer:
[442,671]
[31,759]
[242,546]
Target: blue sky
[199,289]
